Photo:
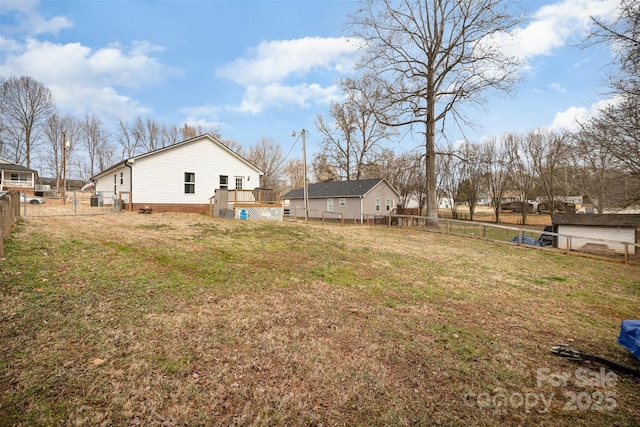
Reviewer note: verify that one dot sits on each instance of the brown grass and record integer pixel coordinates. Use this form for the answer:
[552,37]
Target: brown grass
[174,319]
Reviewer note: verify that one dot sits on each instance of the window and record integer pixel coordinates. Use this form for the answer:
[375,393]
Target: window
[342,202]
[389,204]
[224,182]
[330,205]
[115,180]
[377,205]
[121,178]
[238,183]
[189,183]
[15,176]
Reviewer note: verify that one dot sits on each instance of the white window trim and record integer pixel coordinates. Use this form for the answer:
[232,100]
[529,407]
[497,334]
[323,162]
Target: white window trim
[330,205]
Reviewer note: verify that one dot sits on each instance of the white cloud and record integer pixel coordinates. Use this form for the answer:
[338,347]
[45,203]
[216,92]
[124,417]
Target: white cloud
[568,120]
[274,61]
[291,72]
[556,25]
[85,80]
[257,98]
[206,116]
[557,87]
[31,22]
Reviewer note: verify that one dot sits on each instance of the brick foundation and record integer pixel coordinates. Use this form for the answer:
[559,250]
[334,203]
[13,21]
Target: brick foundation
[169,207]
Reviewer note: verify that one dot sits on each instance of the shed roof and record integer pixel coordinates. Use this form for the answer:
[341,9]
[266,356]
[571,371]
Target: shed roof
[323,190]
[600,220]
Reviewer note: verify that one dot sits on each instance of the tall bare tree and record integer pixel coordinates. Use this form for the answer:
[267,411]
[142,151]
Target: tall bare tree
[621,121]
[267,156]
[353,138]
[24,104]
[435,56]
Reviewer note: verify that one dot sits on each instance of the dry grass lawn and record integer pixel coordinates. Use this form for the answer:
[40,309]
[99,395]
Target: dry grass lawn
[174,319]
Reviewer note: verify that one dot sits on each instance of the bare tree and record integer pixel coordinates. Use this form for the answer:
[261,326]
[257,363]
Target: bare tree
[402,172]
[24,104]
[521,169]
[353,138]
[472,175]
[435,56]
[621,121]
[323,170]
[597,169]
[147,134]
[127,140]
[495,160]
[58,130]
[624,34]
[450,177]
[294,171]
[99,151]
[267,156]
[547,153]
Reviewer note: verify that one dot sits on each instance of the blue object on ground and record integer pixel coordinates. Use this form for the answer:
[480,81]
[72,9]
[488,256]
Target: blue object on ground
[526,240]
[630,336]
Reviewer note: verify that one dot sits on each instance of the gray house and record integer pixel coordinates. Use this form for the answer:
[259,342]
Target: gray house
[354,199]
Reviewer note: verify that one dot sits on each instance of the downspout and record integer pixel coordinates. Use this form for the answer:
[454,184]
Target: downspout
[361,209]
[130,184]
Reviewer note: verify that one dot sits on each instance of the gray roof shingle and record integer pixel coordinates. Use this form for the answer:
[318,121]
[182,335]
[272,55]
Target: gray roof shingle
[322,190]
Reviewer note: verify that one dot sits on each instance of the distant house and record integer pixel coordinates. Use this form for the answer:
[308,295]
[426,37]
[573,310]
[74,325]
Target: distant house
[586,228]
[178,178]
[16,177]
[351,198]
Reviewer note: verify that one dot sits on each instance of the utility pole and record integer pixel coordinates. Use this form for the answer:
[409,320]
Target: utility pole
[65,146]
[303,134]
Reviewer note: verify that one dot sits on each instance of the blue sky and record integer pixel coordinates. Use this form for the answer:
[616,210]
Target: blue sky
[263,68]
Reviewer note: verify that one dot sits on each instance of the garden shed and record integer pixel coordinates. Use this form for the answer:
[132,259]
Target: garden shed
[605,231]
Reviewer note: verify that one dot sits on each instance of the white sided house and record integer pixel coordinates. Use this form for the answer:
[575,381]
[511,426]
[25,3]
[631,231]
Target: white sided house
[179,178]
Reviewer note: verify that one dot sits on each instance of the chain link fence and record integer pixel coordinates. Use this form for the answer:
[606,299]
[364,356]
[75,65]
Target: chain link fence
[70,203]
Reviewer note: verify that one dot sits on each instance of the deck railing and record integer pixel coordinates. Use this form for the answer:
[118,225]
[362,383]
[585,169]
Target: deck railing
[254,197]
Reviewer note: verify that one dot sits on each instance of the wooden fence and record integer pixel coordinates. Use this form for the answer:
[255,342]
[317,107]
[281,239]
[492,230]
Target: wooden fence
[9,214]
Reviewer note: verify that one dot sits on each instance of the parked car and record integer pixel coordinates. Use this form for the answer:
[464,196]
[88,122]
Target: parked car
[547,239]
[32,200]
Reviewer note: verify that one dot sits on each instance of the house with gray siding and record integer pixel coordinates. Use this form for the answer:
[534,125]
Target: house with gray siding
[354,199]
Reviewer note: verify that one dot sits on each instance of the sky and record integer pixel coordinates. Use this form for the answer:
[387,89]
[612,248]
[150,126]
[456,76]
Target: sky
[264,68]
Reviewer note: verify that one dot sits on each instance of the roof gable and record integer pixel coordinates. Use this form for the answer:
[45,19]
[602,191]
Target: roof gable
[323,190]
[7,165]
[176,145]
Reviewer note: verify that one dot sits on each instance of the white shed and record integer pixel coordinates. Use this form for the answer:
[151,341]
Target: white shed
[178,178]
[607,231]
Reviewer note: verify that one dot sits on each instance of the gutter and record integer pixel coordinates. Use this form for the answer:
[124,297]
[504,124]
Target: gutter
[126,163]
